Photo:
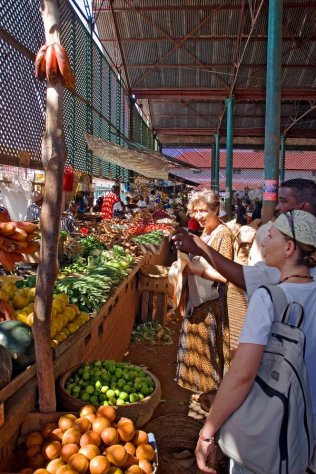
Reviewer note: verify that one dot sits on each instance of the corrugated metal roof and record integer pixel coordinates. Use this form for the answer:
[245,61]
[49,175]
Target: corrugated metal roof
[181,56]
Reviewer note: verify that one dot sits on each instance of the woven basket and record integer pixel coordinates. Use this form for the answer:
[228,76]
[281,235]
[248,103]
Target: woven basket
[140,412]
[176,437]
[175,434]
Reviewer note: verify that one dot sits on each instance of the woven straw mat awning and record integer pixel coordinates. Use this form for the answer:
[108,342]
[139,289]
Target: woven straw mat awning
[150,164]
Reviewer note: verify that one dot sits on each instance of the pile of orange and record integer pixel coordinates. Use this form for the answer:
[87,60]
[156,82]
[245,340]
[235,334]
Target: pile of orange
[91,443]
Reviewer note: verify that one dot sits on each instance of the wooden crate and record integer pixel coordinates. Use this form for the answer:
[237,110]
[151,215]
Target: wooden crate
[154,307]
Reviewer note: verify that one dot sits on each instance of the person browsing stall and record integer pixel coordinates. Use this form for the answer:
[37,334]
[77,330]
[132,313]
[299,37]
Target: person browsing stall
[290,247]
[298,194]
[203,354]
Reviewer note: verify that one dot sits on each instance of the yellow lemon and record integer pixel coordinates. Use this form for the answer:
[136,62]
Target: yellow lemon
[22,317]
[58,305]
[19,301]
[57,322]
[29,308]
[64,319]
[63,297]
[69,313]
[31,292]
[52,330]
[73,327]
[75,307]
[84,316]
[9,288]
[60,337]
[66,331]
[30,319]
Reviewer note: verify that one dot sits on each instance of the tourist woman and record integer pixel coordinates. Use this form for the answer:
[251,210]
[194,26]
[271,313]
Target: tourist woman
[203,354]
[290,246]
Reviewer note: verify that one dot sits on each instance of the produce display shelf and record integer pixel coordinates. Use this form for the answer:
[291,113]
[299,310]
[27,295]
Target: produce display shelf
[106,336]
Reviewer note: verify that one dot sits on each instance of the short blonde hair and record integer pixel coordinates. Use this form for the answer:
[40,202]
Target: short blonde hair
[210,198]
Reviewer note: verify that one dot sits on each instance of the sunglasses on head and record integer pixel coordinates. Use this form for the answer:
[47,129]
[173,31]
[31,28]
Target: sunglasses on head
[290,219]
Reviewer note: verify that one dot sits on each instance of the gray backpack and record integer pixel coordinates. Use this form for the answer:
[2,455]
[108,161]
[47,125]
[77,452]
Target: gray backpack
[272,431]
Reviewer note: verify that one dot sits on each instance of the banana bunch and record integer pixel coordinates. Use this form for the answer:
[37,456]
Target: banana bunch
[51,63]
[16,238]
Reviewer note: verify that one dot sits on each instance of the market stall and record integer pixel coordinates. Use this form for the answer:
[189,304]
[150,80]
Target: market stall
[106,333]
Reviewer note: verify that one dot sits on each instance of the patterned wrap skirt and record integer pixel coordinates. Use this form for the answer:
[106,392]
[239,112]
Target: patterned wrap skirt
[204,352]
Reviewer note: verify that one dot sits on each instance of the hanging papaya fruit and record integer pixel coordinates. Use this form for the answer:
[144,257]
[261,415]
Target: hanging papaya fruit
[51,62]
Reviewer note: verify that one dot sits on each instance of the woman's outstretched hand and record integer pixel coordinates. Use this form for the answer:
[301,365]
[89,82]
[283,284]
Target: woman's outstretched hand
[189,243]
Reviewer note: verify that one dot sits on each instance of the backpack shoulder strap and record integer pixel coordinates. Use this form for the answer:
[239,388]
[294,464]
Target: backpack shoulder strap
[284,312]
[278,299]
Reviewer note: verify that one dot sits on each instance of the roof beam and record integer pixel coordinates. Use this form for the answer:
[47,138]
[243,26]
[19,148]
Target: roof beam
[217,66]
[238,132]
[221,94]
[227,6]
[244,37]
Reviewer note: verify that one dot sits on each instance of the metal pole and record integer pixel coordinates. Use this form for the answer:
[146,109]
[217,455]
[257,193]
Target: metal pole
[282,163]
[212,165]
[217,138]
[229,156]
[273,106]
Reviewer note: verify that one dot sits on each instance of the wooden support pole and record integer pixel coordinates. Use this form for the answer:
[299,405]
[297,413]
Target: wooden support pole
[54,155]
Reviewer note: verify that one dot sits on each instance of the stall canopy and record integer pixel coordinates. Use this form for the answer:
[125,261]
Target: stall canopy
[146,162]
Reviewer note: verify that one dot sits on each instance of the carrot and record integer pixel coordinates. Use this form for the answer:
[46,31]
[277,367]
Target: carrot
[27,226]
[6,261]
[6,228]
[8,245]
[31,248]
[18,234]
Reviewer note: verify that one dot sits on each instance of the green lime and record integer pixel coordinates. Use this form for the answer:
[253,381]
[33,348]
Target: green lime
[76,389]
[110,394]
[112,369]
[123,395]
[120,402]
[94,400]
[113,385]
[112,401]
[133,397]
[104,388]
[105,403]
[97,363]
[144,389]
[138,380]
[121,383]
[89,389]
[126,375]
[102,397]
[98,384]
[118,373]
[137,386]
[106,377]
[86,375]
[85,397]
[140,396]
[127,388]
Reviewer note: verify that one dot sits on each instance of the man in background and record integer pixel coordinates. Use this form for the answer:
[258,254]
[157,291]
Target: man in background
[109,202]
[33,212]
